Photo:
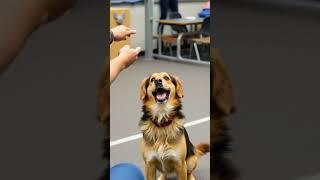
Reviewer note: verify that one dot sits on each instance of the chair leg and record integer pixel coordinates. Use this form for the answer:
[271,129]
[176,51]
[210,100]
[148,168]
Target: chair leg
[190,51]
[170,49]
[197,51]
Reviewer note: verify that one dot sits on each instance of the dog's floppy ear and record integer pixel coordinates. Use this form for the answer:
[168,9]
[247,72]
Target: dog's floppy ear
[143,88]
[222,88]
[179,89]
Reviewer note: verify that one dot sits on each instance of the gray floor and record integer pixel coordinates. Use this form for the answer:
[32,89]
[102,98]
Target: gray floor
[126,108]
[273,58]
[48,128]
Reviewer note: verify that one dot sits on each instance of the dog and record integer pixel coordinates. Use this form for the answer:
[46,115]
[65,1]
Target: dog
[102,99]
[103,117]
[166,146]
[222,106]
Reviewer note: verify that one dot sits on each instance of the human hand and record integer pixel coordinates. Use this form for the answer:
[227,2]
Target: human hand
[121,33]
[128,55]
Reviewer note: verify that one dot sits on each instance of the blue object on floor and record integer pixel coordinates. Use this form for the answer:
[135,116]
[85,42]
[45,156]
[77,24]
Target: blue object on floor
[126,171]
[204,13]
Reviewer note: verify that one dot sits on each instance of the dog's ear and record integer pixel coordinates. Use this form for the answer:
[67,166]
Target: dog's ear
[179,89]
[223,96]
[143,88]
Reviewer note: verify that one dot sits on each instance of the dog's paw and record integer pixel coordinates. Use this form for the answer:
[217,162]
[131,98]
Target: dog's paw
[191,177]
[162,177]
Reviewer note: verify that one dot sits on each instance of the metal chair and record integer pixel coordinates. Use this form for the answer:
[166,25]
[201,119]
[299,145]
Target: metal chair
[172,39]
[203,37]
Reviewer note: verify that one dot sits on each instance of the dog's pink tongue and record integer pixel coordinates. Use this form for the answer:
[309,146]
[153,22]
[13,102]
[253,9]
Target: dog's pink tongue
[161,96]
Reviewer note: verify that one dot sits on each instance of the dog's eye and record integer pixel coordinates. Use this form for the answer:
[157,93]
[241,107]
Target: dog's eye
[152,79]
[166,78]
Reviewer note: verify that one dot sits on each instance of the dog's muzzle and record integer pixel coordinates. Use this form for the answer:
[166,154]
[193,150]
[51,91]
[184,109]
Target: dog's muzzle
[161,95]
[158,83]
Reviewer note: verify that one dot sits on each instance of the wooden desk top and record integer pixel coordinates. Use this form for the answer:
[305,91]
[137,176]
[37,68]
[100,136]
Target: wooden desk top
[181,21]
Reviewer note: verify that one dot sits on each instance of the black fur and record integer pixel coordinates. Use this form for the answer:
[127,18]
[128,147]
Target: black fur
[173,80]
[106,154]
[190,147]
[223,167]
[146,114]
[178,114]
[147,84]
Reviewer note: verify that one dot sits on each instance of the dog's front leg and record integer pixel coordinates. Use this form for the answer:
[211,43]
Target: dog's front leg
[181,170]
[150,171]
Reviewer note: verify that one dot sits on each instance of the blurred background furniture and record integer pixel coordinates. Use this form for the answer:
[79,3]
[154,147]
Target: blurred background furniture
[202,39]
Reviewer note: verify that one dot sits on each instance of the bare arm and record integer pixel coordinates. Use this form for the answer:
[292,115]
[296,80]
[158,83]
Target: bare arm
[126,57]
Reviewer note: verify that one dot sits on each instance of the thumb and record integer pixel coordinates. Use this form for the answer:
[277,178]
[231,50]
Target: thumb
[138,50]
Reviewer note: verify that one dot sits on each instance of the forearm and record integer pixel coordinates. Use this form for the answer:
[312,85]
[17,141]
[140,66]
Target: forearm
[116,66]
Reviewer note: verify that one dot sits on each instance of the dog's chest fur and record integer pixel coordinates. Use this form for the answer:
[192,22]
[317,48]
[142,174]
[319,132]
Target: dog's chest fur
[163,147]
[163,157]
[161,112]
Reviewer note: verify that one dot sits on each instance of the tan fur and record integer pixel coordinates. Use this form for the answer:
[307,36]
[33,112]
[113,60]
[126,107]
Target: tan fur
[223,105]
[153,133]
[164,148]
[223,97]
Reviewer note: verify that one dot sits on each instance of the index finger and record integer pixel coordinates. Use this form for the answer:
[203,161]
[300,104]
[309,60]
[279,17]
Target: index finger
[129,32]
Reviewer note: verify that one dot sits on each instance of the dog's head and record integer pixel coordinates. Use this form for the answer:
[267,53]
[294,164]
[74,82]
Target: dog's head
[161,94]
[161,88]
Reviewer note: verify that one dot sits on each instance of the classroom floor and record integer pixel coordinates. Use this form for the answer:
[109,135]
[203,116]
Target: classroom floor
[273,58]
[126,108]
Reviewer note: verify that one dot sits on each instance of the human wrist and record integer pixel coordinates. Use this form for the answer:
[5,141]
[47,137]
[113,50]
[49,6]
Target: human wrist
[120,62]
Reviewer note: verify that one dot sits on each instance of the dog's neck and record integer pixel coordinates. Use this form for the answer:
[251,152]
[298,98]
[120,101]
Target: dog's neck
[157,124]
[163,123]
[161,113]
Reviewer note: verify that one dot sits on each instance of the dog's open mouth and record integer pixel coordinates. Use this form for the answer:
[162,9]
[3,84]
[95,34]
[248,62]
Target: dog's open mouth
[161,95]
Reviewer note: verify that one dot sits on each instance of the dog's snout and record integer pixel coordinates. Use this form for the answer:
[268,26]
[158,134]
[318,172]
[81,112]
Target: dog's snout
[158,82]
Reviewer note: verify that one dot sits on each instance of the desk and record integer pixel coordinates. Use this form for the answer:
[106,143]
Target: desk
[179,22]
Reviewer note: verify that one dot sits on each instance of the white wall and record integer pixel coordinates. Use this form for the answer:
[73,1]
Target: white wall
[138,18]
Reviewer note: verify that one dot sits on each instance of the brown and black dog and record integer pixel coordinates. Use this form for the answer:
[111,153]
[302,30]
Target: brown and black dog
[103,98]
[222,106]
[103,116]
[166,146]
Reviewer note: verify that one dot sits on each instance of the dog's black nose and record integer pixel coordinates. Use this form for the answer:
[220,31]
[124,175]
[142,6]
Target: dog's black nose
[158,82]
